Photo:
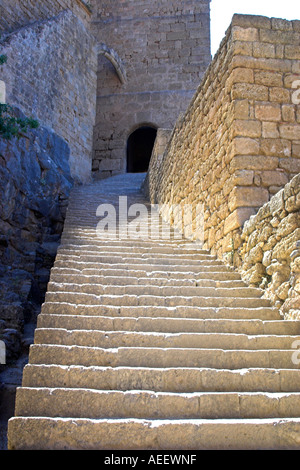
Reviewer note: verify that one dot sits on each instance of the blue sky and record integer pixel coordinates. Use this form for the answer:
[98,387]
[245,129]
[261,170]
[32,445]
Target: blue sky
[223,10]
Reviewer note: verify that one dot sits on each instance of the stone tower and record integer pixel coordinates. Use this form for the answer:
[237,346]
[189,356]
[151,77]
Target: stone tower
[152,55]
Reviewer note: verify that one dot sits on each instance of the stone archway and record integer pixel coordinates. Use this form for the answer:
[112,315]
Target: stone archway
[139,148]
[114,59]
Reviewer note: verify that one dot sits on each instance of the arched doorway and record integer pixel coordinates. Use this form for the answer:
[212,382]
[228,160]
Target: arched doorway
[139,148]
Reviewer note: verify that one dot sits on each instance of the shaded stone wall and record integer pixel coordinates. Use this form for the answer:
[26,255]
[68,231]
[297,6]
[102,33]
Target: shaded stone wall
[50,73]
[164,49]
[238,142]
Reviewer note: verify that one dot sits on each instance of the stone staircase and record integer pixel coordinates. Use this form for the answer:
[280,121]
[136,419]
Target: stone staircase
[153,344]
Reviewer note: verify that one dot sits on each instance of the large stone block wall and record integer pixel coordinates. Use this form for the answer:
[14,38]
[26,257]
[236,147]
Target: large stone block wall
[164,48]
[270,250]
[50,74]
[237,144]
[17,13]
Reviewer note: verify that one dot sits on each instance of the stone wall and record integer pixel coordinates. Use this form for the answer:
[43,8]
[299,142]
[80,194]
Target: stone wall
[35,186]
[50,74]
[164,49]
[18,13]
[270,250]
[238,142]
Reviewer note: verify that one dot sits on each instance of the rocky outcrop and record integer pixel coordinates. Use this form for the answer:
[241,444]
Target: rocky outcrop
[149,342]
[35,185]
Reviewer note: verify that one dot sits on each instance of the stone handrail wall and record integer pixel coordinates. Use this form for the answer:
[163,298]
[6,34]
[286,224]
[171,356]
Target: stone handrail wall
[238,143]
[270,251]
[18,13]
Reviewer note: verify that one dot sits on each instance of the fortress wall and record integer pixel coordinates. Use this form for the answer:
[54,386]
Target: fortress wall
[238,142]
[164,47]
[50,74]
[17,13]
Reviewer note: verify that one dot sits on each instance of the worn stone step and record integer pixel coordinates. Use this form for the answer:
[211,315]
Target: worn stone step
[97,404]
[111,258]
[194,312]
[171,239]
[152,300]
[169,325]
[39,433]
[181,380]
[137,290]
[160,357]
[60,278]
[90,238]
[116,339]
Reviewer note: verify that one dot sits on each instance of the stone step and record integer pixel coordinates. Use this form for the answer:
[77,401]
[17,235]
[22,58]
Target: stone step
[179,379]
[206,272]
[134,434]
[147,343]
[117,339]
[169,325]
[152,300]
[161,357]
[112,258]
[99,404]
[142,281]
[146,268]
[231,312]
[140,253]
[115,246]
[158,291]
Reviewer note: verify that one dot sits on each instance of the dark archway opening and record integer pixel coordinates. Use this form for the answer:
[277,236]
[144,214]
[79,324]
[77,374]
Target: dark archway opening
[139,148]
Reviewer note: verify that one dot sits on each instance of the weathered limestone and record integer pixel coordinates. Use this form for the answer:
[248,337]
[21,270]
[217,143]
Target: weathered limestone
[153,344]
